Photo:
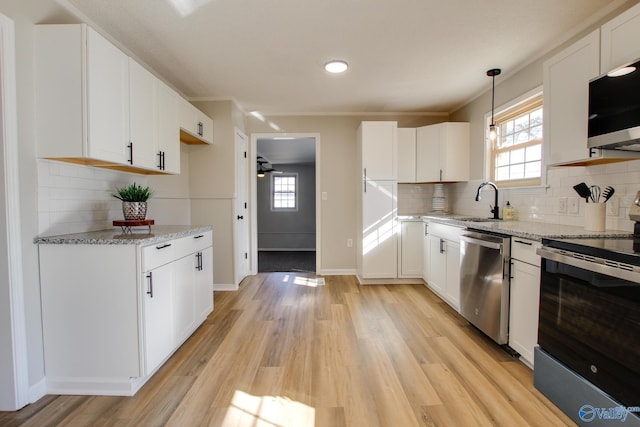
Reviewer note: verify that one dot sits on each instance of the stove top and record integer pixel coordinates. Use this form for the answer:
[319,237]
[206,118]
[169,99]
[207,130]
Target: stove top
[626,250]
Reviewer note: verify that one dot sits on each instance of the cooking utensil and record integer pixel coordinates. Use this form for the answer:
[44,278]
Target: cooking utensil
[608,192]
[595,193]
[583,191]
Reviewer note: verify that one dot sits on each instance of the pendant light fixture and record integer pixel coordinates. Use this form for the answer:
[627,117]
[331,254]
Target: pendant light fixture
[493,132]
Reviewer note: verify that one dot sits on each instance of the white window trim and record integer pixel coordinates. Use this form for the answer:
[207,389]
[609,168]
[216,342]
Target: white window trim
[272,191]
[487,142]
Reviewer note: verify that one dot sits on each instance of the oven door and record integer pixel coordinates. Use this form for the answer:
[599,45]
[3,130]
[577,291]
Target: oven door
[590,321]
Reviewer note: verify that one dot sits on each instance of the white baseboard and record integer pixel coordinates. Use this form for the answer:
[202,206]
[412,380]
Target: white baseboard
[37,391]
[336,272]
[390,281]
[286,249]
[225,287]
[95,386]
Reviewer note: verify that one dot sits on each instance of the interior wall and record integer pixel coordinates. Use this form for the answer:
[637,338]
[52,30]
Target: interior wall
[290,230]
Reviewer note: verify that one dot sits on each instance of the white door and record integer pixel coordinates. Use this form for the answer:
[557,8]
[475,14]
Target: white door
[158,329]
[241,220]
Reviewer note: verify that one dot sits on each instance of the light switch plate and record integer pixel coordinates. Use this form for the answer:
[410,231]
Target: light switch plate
[613,206]
[572,205]
[562,205]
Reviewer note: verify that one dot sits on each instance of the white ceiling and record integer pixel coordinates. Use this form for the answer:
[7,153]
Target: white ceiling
[287,151]
[405,55]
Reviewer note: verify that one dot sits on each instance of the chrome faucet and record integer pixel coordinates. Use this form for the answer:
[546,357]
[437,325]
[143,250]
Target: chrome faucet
[494,209]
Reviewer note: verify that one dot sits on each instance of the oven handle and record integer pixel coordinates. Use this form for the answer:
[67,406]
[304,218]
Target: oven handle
[596,265]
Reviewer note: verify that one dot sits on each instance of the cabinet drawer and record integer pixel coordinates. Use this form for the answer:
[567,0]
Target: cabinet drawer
[159,254]
[447,232]
[194,243]
[525,250]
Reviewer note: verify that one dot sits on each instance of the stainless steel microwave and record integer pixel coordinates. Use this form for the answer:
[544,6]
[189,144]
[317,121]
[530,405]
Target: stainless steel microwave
[614,109]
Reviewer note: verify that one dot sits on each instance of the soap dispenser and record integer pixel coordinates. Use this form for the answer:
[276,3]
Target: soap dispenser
[508,213]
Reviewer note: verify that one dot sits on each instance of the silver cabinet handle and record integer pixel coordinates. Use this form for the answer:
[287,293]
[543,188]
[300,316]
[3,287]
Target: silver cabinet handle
[150,291]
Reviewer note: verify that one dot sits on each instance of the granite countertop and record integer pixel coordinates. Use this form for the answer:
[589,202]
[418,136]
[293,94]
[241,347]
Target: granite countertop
[115,236]
[526,229]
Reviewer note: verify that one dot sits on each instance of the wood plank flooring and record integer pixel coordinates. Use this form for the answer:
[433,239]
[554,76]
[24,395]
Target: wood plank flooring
[284,352]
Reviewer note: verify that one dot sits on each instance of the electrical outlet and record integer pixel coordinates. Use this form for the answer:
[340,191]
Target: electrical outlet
[572,205]
[562,205]
[613,206]
[349,243]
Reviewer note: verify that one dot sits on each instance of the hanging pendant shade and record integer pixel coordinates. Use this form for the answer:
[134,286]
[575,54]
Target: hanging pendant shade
[493,132]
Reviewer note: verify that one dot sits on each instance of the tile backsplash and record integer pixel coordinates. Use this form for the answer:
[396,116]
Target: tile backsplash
[539,204]
[76,198]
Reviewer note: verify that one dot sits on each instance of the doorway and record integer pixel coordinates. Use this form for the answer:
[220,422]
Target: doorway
[285,232]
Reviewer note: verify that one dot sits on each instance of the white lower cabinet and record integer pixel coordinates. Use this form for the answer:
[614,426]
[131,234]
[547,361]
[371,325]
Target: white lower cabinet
[443,273]
[410,253]
[524,298]
[113,313]
[158,330]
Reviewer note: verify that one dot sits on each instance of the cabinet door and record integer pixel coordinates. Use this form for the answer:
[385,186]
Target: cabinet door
[204,127]
[158,330]
[168,147]
[143,104]
[183,297]
[410,249]
[107,100]
[379,145]
[428,165]
[203,285]
[425,251]
[454,151]
[407,155]
[523,312]
[188,116]
[437,264]
[452,287]
[620,40]
[379,244]
[566,99]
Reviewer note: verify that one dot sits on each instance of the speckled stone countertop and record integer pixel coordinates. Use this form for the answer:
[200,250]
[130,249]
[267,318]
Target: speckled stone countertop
[525,229]
[115,236]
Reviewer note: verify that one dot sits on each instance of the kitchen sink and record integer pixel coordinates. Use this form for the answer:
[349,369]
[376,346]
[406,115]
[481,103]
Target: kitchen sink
[481,220]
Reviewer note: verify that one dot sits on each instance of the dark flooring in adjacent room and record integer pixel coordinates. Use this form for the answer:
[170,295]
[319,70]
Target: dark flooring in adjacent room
[286,261]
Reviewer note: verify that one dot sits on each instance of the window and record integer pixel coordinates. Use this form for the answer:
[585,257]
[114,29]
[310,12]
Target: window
[516,154]
[284,192]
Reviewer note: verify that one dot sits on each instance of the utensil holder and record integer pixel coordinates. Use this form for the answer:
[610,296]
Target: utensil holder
[595,216]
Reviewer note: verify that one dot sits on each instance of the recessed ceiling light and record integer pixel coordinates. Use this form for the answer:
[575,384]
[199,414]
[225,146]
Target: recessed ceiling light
[623,71]
[336,66]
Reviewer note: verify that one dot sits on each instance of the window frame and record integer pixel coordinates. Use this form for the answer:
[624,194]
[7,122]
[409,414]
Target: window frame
[510,110]
[296,191]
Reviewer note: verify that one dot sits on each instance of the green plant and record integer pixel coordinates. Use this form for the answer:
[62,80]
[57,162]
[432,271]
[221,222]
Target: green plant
[133,193]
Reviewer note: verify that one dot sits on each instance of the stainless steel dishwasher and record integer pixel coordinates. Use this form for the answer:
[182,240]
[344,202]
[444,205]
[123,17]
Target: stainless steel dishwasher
[484,282]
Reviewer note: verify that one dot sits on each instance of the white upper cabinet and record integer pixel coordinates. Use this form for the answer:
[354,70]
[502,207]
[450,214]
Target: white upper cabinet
[379,150]
[442,152]
[82,96]
[97,106]
[406,155]
[619,38]
[168,125]
[196,127]
[143,105]
[566,99]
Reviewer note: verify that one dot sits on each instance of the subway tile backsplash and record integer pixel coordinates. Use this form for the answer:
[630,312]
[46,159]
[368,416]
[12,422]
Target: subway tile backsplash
[76,198]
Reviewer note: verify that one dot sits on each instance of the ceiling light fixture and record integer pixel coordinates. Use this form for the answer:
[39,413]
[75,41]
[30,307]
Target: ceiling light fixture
[336,66]
[493,132]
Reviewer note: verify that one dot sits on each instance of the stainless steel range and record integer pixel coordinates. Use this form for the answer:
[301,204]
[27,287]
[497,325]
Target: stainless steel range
[588,359]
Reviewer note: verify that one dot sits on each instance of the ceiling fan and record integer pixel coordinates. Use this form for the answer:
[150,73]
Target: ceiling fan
[262,169]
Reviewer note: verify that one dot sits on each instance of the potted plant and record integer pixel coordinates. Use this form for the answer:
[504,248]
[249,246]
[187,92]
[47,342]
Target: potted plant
[134,201]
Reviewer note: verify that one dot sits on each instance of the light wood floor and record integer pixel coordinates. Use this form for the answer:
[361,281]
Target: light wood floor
[283,352]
